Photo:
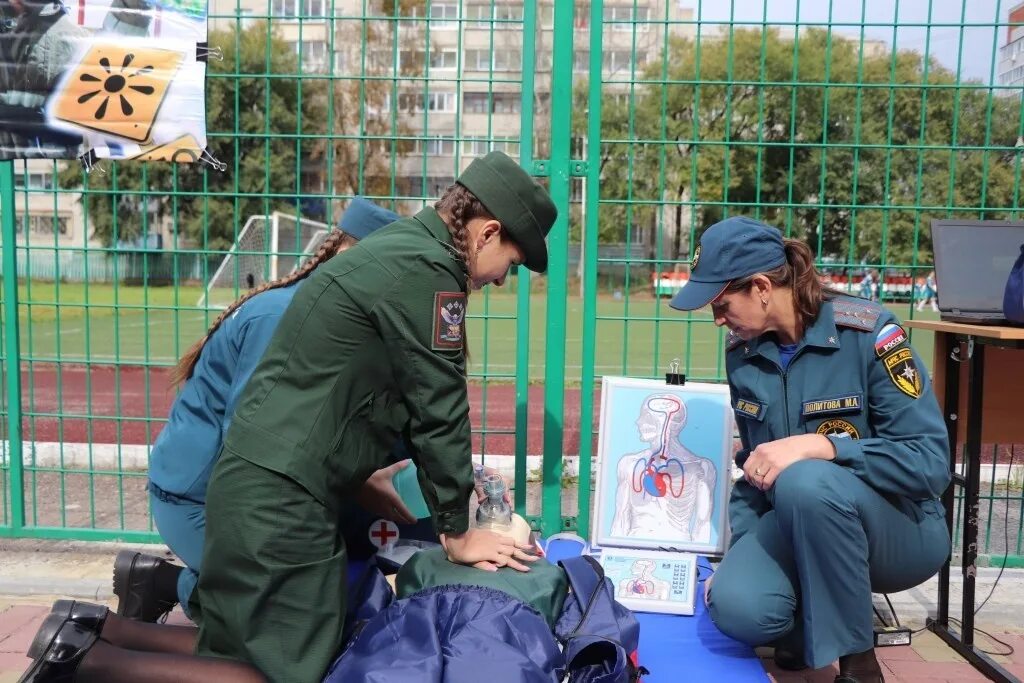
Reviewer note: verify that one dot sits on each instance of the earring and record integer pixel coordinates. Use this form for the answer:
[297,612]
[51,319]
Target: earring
[764,303]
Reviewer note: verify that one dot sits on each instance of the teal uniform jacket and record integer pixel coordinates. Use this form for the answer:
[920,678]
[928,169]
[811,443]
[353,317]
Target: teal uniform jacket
[855,379]
[806,555]
[371,346]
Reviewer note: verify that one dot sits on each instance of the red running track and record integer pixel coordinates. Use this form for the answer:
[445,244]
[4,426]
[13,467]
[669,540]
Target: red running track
[127,405]
[105,404]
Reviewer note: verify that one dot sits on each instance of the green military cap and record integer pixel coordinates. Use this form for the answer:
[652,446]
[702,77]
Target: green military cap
[523,207]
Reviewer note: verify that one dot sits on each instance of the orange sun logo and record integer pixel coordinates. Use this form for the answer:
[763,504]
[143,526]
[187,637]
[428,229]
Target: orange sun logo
[115,84]
[117,91]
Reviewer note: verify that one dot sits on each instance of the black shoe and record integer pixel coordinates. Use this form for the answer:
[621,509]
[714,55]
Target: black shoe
[84,614]
[144,586]
[789,660]
[57,650]
[862,667]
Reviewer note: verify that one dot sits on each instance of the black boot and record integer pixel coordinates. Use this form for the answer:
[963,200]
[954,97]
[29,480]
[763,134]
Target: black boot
[145,586]
[84,614]
[789,660]
[57,650]
[862,667]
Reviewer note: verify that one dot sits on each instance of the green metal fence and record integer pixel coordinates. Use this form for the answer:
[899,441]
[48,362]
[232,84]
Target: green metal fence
[647,119]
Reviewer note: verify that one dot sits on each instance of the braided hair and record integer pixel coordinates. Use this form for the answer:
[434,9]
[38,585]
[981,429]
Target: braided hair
[335,243]
[457,207]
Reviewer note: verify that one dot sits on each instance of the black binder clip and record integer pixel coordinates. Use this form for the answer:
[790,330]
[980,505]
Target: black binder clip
[88,161]
[204,53]
[674,377]
[206,157]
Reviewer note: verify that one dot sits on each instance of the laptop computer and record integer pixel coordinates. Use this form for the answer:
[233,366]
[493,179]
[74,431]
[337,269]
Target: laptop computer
[973,259]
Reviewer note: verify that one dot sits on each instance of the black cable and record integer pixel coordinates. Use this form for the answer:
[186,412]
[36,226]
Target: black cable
[892,610]
[1009,648]
[882,619]
[1006,556]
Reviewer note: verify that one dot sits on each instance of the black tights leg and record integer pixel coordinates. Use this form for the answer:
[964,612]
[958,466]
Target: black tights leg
[146,637]
[109,664]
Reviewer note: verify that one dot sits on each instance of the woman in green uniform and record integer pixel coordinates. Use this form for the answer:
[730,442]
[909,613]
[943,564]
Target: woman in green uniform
[370,348]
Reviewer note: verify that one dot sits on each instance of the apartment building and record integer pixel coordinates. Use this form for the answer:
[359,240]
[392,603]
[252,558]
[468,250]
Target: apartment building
[457,67]
[1011,55]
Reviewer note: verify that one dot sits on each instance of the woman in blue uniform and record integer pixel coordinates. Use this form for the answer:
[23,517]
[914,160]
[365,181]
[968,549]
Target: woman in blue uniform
[213,373]
[844,453]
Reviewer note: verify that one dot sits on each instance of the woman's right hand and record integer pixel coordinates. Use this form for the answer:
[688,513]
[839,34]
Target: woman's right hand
[487,550]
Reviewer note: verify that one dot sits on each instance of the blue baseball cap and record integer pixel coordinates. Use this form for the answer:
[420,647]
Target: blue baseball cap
[729,250]
[363,217]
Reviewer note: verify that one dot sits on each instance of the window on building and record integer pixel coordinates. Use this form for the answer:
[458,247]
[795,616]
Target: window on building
[500,59]
[477,147]
[508,13]
[439,147]
[621,60]
[475,102]
[313,54]
[443,16]
[624,17]
[497,103]
[436,186]
[298,8]
[508,60]
[444,59]
[478,16]
[547,16]
[34,181]
[47,224]
[507,103]
[416,103]
[581,60]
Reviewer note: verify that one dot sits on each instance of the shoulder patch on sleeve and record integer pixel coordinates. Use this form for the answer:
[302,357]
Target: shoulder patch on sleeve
[903,372]
[449,315]
[859,316]
[889,337]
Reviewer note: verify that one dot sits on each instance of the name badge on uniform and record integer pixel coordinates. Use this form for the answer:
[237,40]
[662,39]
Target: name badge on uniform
[449,314]
[750,408]
[845,403]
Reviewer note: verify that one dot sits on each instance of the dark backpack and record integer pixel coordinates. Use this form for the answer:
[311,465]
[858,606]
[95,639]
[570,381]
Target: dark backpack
[456,633]
[1013,295]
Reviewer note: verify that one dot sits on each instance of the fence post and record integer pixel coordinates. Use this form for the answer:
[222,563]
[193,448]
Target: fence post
[558,247]
[589,252]
[12,351]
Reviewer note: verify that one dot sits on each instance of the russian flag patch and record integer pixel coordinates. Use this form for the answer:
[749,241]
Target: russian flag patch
[889,337]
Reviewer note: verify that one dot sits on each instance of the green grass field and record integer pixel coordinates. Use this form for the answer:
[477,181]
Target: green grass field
[637,335]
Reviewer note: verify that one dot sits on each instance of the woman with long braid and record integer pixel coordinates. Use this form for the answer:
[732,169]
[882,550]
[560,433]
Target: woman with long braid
[371,347]
[212,374]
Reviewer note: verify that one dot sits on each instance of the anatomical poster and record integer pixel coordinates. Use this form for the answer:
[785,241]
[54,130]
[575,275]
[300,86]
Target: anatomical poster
[664,465]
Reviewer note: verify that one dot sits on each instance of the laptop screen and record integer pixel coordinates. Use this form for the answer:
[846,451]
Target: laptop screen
[973,259]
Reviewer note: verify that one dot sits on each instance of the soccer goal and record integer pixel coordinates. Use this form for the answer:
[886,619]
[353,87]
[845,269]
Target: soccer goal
[268,247]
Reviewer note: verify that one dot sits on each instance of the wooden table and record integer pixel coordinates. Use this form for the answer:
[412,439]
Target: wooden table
[985,359]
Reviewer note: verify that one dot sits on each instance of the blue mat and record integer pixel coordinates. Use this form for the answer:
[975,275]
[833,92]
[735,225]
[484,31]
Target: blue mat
[674,647]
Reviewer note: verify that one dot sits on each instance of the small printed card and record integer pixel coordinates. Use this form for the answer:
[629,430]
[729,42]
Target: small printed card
[652,580]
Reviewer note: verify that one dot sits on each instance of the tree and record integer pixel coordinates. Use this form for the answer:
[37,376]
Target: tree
[834,147]
[250,103]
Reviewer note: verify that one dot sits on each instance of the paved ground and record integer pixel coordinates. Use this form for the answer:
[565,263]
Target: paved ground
[35,573]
